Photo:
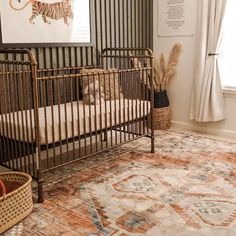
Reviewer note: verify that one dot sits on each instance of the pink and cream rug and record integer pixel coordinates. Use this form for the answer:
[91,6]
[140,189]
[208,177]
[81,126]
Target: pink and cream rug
[188,187]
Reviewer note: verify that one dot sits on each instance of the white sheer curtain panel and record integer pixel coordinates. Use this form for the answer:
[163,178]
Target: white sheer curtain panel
[207,100]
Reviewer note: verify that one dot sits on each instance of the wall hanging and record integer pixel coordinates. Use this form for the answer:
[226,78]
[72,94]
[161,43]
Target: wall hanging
[44,21]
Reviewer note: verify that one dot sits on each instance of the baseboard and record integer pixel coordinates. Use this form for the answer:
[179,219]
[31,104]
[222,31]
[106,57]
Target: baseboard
[203,129]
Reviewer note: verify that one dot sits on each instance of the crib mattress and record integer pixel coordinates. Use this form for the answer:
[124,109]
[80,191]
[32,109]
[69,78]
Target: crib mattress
[61,122]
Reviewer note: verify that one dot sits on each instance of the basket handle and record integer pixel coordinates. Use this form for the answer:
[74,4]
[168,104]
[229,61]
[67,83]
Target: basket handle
[3,190]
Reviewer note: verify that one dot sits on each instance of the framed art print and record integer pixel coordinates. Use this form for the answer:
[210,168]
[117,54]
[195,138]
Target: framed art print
[45,21]
[175,18]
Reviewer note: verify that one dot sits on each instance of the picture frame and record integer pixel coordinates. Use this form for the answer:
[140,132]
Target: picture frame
[25,28]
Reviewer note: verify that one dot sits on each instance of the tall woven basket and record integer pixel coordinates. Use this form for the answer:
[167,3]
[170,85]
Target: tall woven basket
[162,111]
[18,204]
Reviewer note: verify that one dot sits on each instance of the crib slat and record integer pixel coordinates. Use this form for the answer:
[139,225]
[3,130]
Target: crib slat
[6,109]
[85,126]
[12,118]
[120,111]
[44,92]
[132,102]
[58,82]
[72,117]
[30,106]
[18,112]
[128,111]
[147,96]
[77,84]
[4,118]
[125,129]
[25,107]
[51,103]
[140,105]
[3,154]
[110,107]
[23,115]
[90,114]
[66,118]
[106,112]
[144,97]
[114,78]
[100,109]
[95,114]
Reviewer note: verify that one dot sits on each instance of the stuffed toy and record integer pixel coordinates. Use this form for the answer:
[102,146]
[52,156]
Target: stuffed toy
[93,94]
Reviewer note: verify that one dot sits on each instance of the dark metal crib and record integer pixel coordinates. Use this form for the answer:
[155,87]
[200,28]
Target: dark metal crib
[52,117]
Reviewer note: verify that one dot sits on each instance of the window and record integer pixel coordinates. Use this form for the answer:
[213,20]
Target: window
[228,48]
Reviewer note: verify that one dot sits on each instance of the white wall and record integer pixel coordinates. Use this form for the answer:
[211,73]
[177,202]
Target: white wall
[180,88]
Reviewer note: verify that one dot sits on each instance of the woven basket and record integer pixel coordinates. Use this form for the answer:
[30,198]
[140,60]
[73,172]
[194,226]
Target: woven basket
[18,204]
[162,118]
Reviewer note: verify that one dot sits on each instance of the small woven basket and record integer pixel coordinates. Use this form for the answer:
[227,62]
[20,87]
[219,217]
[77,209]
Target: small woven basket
[18,204]
[162,118]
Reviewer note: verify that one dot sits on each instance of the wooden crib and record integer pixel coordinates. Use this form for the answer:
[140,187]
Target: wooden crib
[53,117]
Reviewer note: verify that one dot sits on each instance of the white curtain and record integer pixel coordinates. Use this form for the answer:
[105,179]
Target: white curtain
[207,99]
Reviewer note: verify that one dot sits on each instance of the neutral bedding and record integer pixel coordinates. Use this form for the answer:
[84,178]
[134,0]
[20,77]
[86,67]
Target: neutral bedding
[63,122]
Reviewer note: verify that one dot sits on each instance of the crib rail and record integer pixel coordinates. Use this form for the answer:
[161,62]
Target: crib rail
[61,71]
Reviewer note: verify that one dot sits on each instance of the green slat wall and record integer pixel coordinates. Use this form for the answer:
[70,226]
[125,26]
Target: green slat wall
[118,23]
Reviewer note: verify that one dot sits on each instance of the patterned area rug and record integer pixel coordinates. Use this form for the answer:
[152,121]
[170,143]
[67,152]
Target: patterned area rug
[188,187]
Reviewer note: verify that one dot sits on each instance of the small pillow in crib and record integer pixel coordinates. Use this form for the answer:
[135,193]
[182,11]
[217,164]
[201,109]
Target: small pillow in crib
[93,94]
[109,82]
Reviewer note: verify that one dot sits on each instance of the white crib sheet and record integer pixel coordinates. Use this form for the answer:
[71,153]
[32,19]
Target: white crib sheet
[110,113]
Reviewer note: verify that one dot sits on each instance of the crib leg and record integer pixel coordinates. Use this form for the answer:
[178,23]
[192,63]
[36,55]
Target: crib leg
[153,144]
[40,190]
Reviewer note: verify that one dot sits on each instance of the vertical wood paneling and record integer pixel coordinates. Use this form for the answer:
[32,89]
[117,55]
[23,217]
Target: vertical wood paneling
[119,23]
[116,23]
[150,19]
[136,19]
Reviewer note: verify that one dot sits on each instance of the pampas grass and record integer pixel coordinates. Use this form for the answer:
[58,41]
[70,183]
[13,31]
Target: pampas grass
[164,71]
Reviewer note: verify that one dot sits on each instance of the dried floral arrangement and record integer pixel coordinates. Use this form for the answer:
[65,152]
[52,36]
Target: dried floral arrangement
[164,71]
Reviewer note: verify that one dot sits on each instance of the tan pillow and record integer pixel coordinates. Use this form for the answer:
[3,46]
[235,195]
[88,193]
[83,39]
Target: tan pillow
[109,82]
